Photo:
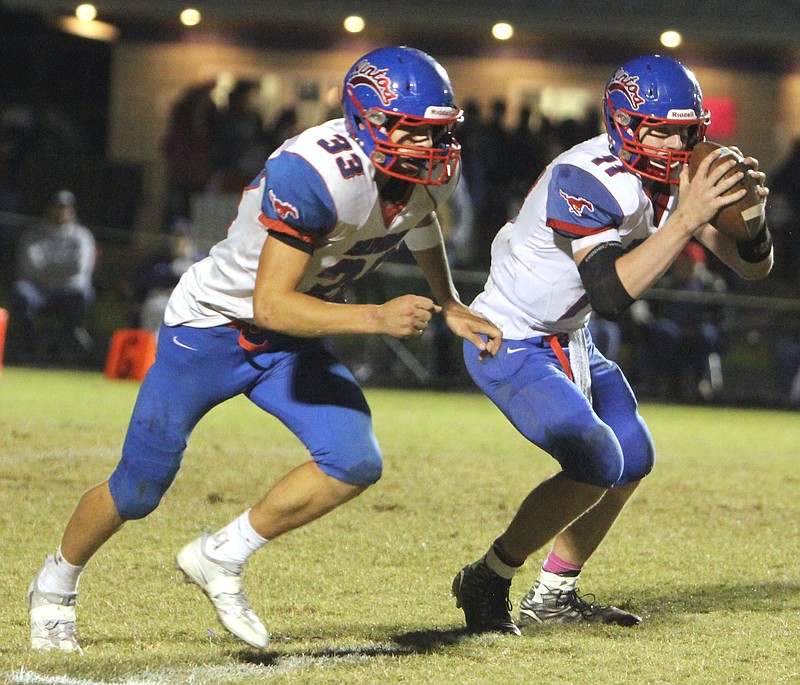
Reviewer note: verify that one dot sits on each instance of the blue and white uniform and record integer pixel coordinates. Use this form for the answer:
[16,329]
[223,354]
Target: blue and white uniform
[317,193]
[535,295]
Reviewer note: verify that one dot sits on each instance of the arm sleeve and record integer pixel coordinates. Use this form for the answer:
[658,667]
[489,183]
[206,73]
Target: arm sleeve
[598,272]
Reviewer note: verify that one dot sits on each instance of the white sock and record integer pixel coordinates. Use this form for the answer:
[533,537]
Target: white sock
[59,576]
[233,544]
[552,582]
[501,568]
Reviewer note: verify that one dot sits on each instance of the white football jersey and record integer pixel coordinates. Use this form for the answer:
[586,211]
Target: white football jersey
[318,192]
[584,197]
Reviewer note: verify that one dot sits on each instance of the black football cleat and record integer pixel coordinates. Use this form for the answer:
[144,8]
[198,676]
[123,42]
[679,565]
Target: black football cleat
[483,595]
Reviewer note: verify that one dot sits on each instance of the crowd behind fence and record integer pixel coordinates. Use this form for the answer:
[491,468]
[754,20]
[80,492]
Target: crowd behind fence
[760,365]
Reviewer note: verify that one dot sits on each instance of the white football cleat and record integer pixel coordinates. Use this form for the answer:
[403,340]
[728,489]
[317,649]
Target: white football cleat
[223,587]
[545,604]
[52,620]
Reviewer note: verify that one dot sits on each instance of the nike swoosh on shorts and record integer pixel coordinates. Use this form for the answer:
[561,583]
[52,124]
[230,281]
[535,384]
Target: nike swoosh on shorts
[180,344]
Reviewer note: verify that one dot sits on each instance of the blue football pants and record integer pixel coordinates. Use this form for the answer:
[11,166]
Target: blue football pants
[604,442]
[296,380]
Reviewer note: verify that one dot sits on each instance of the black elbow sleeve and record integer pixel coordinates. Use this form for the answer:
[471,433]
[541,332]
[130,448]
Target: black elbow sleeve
[605,291]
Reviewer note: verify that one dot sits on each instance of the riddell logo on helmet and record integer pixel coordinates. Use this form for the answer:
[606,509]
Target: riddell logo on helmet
[283,209]
[576,204]
[366,74]
[628,85]
[439,113]
[681,114]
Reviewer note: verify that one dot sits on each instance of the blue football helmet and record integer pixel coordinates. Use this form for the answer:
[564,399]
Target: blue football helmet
[403,88]
[645,93]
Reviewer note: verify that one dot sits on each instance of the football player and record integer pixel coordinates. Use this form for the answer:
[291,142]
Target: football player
[600,226]
[330,205]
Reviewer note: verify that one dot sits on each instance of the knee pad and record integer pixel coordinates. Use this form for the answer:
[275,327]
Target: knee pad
[640,457]
[369,471]
[137,491]
[594,457]
[365,471]
[637,469]
[354,463]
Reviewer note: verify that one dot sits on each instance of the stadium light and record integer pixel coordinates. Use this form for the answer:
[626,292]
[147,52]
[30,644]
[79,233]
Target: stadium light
[190,17]
[354,24]
[671,39]
[86,12]
[502,31]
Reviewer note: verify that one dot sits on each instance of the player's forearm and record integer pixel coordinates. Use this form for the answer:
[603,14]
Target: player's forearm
[640,268]
[308,317]
[725,249]
[433,263]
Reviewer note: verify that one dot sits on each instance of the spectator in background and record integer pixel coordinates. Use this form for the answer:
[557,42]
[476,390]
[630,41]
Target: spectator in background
[473,182]
[783,213]
[155,280]
[606,335]
[241,142]
[285,126]
[494,150]
[786,361]
[55,264]
[17,140]
[187,148]
[527,158]
[784,216]
[10,204]
[685,339]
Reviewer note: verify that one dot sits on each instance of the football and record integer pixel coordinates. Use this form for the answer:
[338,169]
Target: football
[741,220]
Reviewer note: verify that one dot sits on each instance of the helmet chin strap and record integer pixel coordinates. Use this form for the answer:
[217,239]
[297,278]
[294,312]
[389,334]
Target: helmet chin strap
[406,165]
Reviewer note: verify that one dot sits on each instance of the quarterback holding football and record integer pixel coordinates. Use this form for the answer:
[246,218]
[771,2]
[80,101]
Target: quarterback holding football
[600,226]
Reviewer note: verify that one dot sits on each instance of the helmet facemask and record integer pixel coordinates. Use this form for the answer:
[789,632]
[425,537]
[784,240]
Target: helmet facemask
[434,165]
[660,164]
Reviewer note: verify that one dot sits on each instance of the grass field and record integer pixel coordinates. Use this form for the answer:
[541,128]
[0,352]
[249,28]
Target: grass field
[708,551]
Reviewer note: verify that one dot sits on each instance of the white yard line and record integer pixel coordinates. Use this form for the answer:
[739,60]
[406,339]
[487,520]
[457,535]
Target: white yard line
[209,675]
[219,675]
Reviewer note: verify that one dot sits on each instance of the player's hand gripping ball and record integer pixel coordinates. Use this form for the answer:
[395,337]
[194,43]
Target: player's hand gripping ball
[741,220]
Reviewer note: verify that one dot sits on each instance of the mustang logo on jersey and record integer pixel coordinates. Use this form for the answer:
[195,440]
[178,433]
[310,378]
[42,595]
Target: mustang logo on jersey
[282,209]
[627,85]
[366,74]
[577,204]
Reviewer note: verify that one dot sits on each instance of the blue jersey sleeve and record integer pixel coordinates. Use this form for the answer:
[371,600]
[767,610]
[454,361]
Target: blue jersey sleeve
[296,195]
[579,205]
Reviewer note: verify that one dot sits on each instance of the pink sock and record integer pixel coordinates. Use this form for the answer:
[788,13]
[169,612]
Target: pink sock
[555,564]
